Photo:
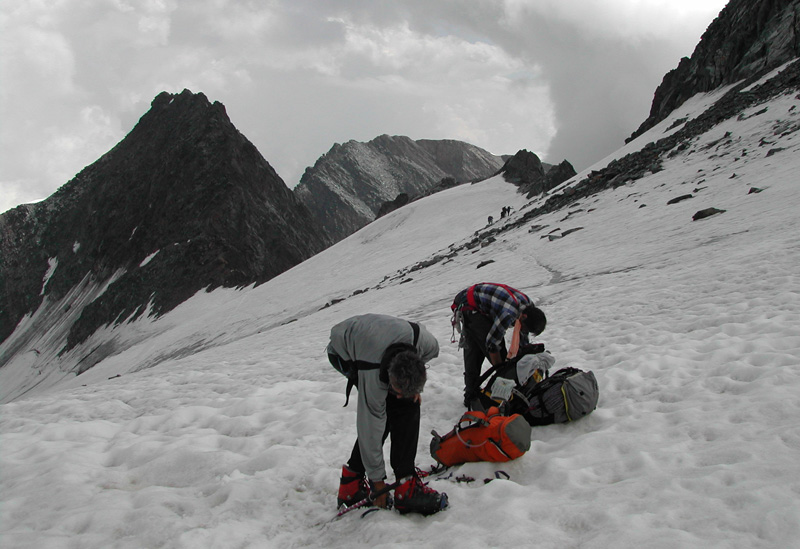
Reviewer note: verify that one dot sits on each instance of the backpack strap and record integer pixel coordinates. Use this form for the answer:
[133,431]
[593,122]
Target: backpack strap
[415,329]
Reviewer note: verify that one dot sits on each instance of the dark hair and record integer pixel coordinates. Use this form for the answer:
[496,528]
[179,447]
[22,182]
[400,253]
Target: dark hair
[407,372]
[535,321]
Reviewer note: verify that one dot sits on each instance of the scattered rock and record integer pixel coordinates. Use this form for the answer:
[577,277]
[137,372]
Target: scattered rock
[570,231]
[708,212]
[680,199]
[331,303]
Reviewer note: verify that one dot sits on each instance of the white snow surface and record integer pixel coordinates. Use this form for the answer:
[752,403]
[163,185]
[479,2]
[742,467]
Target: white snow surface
[222,425]
[149,258]
[52,265]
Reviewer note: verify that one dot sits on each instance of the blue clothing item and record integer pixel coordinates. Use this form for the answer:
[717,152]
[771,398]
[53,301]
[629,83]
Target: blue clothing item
[504,305]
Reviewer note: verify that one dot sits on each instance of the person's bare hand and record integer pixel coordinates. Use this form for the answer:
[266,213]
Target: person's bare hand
[382,500]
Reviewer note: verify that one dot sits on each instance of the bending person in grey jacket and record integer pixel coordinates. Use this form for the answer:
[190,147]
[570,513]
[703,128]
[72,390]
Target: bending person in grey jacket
[389,355]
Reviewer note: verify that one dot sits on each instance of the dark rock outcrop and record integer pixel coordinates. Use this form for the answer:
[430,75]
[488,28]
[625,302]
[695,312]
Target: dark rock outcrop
[184,202]
[558,174]
[388,207]
[347,186]
[525,170]
[708,212]
[748,38]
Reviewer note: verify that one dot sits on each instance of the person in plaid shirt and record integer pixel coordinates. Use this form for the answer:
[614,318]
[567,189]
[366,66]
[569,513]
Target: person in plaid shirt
[486,311]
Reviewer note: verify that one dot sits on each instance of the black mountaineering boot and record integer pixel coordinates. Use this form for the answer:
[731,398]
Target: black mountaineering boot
[414,496]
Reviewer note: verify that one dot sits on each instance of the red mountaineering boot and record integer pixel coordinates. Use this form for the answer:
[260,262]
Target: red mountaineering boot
[353,487]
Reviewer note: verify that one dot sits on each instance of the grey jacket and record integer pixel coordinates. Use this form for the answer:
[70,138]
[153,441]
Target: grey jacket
[364,338]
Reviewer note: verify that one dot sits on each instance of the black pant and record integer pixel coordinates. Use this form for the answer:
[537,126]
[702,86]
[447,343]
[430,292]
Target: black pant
[476,327]
[402,423]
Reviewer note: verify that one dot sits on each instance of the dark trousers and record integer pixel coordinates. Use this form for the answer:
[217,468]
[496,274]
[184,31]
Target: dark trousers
[402,424]
[475,328]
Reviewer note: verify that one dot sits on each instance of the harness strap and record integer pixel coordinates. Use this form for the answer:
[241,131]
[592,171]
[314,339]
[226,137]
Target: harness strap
[352,379]
[471,297]
[471,303]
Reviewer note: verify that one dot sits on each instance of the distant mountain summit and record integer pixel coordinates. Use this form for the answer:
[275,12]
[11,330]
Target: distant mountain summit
[184,202]
[747,39]
[347,186]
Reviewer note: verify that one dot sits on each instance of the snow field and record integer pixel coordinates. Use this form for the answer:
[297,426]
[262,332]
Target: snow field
[690,327]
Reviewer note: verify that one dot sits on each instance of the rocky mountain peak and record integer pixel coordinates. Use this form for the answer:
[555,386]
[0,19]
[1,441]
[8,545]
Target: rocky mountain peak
[349,185]
[527,171]
[184,202]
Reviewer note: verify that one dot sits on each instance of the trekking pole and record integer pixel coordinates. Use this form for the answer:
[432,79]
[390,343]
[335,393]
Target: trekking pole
[367,500]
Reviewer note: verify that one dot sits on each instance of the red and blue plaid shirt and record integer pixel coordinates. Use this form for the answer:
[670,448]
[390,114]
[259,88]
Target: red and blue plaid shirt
[504,305]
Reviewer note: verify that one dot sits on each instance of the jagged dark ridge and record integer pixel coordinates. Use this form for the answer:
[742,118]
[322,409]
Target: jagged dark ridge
[185,184]
[748,38]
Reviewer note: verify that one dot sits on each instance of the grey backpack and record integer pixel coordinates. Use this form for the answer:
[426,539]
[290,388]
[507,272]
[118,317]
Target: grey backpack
[566,395]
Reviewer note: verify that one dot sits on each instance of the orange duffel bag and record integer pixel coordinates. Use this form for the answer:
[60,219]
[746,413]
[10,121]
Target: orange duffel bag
[483,436]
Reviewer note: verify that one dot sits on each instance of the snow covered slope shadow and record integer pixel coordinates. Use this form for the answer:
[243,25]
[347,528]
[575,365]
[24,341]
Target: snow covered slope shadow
[235,436]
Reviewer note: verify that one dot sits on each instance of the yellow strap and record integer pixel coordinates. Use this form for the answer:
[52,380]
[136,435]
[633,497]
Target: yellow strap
[566,402]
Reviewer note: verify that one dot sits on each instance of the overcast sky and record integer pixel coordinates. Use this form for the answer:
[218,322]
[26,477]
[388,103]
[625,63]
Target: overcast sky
[567,79]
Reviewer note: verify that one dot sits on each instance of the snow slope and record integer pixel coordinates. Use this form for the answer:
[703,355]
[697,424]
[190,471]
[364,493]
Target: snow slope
[224,427]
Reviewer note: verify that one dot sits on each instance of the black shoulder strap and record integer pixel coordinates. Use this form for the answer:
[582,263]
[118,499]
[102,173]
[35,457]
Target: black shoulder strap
[415,328]
[488,373]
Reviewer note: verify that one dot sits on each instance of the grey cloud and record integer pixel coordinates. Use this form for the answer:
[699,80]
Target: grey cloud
[294,85]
